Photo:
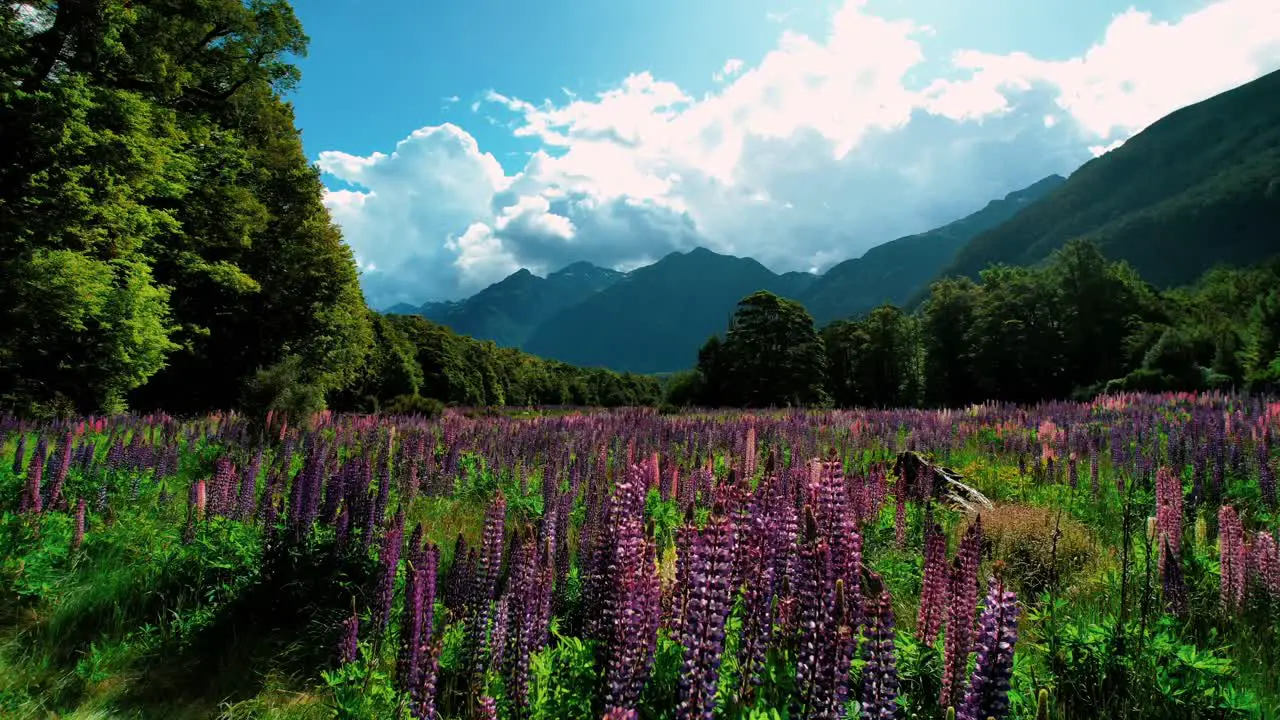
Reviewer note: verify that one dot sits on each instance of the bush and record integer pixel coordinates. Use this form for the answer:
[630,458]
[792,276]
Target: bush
[414,405]
[283,388]
[1022,537]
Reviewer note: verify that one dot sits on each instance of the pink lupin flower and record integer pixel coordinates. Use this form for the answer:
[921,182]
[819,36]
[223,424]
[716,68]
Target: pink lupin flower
[1232,558]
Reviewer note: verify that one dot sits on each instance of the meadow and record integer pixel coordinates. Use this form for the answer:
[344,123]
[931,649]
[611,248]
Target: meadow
[1109,559]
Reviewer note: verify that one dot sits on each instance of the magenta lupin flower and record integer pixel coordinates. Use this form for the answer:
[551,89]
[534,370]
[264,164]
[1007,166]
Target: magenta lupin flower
[1266,564]
[77,535]
[1232,559]
[961,614]
[1168,513]
[933,594]
[618,713]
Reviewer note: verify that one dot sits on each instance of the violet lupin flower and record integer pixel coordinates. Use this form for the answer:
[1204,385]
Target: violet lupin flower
[1232,559]
[710,597]
[961,614]
[32,501]
[880,676]
[429,675]
[19,455]
[933,594]
[58,477]
[487,708]
[349,644]
[1266,475]
[617,713]
[488,565]
[407,663]
[988,693]
[635,634]
[246,502]
[389,559]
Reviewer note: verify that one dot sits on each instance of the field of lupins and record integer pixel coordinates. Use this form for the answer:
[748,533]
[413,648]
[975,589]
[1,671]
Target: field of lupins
[1116,559]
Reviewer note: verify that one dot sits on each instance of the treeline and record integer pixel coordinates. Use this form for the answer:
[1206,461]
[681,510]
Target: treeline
[1075,326]
[163,237]
[416,363]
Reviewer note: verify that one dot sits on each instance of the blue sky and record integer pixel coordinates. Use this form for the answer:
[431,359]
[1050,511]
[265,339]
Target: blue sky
[800,133]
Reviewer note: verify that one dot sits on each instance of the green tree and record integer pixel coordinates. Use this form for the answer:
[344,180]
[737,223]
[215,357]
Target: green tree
[775,355]
[1098,301]
[1017,338]
[875,361]
[945,322]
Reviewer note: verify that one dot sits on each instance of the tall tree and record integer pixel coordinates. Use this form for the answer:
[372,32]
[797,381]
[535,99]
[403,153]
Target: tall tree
[945,320]
[1098,301]
[775,355]
[147,146]
[1017,337]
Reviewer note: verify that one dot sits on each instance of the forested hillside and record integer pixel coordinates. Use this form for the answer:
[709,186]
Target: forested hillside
[1078,325]
[654,319]
[900,269]
[1198,188]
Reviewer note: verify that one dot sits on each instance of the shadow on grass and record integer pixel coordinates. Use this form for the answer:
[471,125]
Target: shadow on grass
[284,623]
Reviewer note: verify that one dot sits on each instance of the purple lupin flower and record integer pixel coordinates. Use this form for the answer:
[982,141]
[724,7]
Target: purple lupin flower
[61,464]
[428,677]
[77,535]
[487,708]
[19,455]
[880,676]
[988,693]
[389,559]
[410,656]
[245,503]
[349,644]
[617,713]
[32,501]
[961,614]
[933,594]
[760,550]
[635,633]
[710,597]
[1266,474]
[488,565]
[221,487]
[499,631]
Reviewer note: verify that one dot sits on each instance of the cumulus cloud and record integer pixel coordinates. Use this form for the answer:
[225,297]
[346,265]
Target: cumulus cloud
[811,156]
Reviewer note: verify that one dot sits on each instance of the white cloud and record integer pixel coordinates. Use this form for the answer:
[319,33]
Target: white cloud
[732,67]
[817,152]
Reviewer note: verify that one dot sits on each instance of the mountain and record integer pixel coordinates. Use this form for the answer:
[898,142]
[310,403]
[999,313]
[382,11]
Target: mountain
[1198,188]
[656,318]
[897,270]
[509,310]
